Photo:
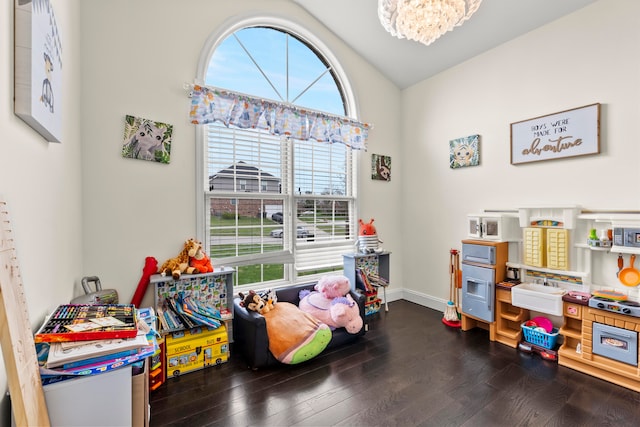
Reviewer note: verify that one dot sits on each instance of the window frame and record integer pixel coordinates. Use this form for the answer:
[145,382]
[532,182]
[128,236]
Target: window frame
[296,30]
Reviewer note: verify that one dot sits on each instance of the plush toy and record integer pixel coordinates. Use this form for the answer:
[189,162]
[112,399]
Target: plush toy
[341,312]
[180,264]
[254,302]
[368,237]
[366,228]
[333,286]
[329,304]
[200,260]
[269,297]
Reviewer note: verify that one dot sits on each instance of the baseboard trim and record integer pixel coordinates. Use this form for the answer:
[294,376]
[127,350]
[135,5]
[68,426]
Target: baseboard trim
[417,297]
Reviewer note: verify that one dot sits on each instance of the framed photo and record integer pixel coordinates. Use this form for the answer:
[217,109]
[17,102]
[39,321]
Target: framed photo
[381,167]
[38,68]
[569,133]
[464,152]
[145,139]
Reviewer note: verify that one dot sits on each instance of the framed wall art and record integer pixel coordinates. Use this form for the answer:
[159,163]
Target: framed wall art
[380,167]
[145,139]
[569,133]
[38,68]
[464,152]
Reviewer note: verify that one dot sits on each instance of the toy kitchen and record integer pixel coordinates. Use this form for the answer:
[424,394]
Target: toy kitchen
[570,266]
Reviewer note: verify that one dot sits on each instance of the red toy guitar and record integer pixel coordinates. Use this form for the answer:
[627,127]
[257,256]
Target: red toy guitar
[150,267]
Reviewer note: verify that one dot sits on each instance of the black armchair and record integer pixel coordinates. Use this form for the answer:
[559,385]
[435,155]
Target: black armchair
[250,329]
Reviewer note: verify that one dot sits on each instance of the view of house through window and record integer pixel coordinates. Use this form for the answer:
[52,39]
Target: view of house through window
[277,208]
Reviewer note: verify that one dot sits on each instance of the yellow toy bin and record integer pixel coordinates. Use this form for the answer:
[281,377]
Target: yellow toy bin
[196,348]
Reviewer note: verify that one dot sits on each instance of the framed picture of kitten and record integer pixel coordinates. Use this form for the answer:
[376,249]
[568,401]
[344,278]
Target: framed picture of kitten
[146,139]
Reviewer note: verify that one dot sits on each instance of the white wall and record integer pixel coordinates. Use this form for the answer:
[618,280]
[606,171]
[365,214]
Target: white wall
[42,183]
[136,58]
[587,57]
[80,209]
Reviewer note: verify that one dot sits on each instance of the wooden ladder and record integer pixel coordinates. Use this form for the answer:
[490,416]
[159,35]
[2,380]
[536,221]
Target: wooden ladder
[18,348]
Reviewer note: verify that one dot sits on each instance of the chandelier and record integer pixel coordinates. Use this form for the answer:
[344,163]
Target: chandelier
[424,20]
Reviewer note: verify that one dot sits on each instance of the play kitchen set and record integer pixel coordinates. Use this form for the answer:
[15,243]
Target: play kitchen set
[560,282]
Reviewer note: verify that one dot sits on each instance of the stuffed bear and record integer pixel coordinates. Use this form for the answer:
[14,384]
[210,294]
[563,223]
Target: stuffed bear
[180,264]
[200,260]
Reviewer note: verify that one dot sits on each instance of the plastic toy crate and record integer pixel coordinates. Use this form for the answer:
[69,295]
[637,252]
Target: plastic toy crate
[543,339]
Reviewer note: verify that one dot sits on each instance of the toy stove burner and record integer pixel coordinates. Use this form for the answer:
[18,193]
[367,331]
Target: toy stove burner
[629,308]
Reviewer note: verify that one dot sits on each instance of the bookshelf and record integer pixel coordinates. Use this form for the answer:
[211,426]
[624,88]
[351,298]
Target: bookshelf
[212,290]
[374,265]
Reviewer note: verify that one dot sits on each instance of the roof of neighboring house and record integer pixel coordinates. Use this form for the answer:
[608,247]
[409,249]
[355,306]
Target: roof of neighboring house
[243,169]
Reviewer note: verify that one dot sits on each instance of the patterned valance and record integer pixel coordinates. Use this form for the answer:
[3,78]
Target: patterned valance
[212,104]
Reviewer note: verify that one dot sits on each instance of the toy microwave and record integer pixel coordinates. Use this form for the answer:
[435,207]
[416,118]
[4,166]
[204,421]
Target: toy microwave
[628,237]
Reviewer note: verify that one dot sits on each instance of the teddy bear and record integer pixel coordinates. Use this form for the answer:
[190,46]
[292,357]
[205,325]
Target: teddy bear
[332,304]
[180,264]
[200,260]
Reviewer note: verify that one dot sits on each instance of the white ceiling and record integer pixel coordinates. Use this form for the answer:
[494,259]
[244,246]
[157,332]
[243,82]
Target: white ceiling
[407,62]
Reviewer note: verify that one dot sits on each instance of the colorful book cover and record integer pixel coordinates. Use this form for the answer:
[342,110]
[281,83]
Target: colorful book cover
[63,353]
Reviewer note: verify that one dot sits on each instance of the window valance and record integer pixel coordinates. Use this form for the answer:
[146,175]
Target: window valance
[210,104]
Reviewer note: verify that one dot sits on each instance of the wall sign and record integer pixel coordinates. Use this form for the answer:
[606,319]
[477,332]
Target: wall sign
[38,68]
[568,133]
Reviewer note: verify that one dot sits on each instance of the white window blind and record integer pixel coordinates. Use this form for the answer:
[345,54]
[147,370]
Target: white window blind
[253,175]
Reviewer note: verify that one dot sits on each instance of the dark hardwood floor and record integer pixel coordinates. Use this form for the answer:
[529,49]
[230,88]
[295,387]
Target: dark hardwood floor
[408,370]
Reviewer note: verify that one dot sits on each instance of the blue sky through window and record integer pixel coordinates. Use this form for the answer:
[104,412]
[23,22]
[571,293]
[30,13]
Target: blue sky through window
[232,68]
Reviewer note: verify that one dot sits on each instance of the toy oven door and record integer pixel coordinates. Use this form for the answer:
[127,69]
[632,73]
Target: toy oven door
[478,292]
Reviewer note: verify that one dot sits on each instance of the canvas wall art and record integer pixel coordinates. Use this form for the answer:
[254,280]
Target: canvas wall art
[381,167]
[38,68]
[146,139]
[464,152]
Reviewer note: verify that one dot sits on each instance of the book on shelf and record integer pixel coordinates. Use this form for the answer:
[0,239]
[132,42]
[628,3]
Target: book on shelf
[362,280]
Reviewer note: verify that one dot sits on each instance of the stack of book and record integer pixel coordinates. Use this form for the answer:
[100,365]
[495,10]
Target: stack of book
[176,313]
[87,340]
[369,283]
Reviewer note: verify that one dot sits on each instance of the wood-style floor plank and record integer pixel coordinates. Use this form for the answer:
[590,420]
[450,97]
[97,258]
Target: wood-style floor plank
[408,370]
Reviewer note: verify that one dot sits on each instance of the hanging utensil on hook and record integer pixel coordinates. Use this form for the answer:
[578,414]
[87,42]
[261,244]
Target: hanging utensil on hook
[630,276]
[620,264]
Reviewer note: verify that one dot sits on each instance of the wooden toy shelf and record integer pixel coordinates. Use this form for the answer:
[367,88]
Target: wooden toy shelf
[214,290]
[508,318]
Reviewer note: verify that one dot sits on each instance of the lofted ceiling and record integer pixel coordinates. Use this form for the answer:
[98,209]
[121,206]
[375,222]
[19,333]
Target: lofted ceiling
[406,62]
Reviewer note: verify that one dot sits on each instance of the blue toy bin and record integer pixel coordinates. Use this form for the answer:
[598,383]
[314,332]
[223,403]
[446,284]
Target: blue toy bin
[543,339]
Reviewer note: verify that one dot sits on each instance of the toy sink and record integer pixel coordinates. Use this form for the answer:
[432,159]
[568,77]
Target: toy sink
[533,296]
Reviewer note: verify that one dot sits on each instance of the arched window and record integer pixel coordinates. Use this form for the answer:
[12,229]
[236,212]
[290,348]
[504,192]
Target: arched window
[275,207]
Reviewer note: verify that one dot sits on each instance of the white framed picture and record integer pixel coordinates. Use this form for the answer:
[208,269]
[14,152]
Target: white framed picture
[38,68]
[569,133]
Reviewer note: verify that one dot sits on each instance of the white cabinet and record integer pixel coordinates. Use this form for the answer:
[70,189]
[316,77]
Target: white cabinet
[498,227]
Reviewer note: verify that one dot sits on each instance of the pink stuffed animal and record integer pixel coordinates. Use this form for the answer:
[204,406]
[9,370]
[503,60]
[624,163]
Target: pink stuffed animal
[329,304]
[333,286]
